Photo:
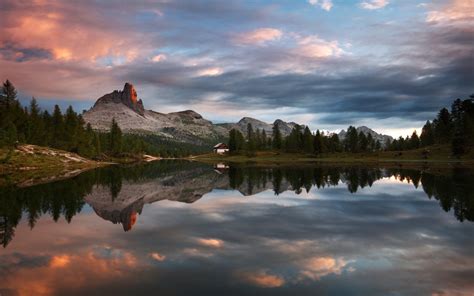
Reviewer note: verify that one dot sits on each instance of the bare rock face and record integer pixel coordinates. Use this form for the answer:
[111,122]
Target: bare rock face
[128,97]
[185,126]
[286,127]
[383,139]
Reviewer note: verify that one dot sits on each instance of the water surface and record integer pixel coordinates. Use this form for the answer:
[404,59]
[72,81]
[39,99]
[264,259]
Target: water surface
[185,228]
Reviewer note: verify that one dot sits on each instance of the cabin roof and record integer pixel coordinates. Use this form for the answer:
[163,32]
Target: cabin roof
[220,145]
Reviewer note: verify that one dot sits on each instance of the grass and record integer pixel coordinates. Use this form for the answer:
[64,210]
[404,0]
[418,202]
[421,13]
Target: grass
[438,155]
[40,166]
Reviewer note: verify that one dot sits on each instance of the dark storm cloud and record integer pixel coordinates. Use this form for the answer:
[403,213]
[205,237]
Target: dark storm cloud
[13,53]
[435,67]
[402,68]
[20,260]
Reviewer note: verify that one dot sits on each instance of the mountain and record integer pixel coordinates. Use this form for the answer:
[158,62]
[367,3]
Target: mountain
[132,117]
[184,126]
[186,183]
[241,125]
[365,130]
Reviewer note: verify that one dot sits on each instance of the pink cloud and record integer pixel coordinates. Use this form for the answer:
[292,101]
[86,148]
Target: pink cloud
[374,4]
[211,242]
[68,30]
[456,10]
[262,279]
[259,36]
[324,4]
[315,47]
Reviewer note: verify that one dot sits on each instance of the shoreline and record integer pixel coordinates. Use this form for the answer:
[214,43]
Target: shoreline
[29,165]
[367,159]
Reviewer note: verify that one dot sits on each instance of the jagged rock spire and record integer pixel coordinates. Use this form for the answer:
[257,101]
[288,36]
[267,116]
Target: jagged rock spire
[128,96]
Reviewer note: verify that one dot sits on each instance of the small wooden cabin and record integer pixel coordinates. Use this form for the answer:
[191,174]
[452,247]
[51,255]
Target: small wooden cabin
[221,148]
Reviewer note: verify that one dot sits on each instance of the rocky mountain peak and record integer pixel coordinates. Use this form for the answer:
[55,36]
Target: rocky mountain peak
[384,139]
[130,92]
[128,96]
[190,113]
[246,120]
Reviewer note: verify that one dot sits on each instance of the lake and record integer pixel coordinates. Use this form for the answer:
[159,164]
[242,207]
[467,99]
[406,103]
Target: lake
[187,228]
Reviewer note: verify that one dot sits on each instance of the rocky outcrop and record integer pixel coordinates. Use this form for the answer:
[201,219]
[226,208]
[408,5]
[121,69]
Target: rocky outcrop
[286,127]
[384,139]
[128,111]
[241,125]
[184,185]
[128,96]
[184,126]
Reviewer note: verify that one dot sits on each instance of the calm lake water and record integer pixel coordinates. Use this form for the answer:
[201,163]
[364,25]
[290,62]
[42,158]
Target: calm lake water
[185,228]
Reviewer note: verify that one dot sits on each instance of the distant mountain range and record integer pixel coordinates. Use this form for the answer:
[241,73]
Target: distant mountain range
[184,126]
[365,130]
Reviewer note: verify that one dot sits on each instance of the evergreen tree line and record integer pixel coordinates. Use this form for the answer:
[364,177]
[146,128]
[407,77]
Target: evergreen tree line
[453,190]
[65,198]
[455,128]
[68,131]
[300,140]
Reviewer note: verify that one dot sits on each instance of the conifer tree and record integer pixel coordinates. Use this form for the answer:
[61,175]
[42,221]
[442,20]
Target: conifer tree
[351,140]
[263,139]
[414,141]
[308,141]
[427,135]
[363,143]
[251,145]
[318,143]
[115,141]
[57,125]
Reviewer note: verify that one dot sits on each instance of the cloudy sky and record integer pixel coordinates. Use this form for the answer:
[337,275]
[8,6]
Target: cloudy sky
[388,64]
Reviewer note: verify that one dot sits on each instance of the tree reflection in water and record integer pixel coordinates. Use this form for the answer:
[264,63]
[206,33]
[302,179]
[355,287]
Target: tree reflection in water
[453,188]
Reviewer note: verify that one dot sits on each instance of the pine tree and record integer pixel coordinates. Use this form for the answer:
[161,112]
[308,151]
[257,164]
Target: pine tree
[263,139]
[308,141]
[71,130]
[251,145]
[317,143]
[334,143]
[378,146]
[363,143]
[352,140]
[414,141]
[277,139]
[233,140]
[36,125]
[427,135]
[258,141]
[57,122]
[370,142]
[10,135]
[115,141]
[293,143]
[10,93]
[443,126]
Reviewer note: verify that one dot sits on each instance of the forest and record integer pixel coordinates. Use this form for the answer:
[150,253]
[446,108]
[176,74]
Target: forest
[65,199]
[68,131]
[455,128]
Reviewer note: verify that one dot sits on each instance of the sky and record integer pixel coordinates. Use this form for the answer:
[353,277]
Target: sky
[387,64]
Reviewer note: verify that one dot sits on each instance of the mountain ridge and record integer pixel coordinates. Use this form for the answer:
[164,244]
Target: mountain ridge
[187,125]
[366,130]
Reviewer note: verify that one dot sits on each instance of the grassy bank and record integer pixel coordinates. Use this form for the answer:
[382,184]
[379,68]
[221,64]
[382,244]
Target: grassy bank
[27,165]
[439,155]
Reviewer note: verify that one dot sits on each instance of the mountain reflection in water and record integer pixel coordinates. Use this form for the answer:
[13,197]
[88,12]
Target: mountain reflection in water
[240,230]
[119,193]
